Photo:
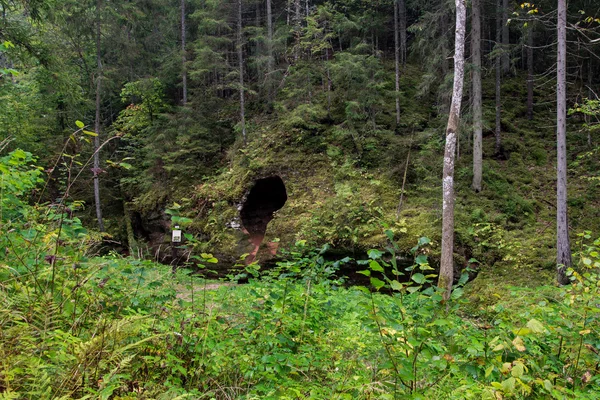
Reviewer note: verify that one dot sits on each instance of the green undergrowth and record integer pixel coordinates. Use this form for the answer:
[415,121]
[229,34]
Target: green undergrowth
[118,328]
[75,325]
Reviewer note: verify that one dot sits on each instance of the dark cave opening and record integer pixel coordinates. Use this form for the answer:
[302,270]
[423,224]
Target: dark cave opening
[265,197]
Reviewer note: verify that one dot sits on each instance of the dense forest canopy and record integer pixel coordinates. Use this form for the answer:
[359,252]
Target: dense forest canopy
[295,140]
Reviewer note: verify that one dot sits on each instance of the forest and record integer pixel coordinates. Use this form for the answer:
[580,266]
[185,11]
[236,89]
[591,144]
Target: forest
[299,199]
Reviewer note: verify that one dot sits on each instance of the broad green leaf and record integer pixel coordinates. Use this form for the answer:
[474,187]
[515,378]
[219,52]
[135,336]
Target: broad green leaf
[374,254]
[421,259]
[536,326]
[365,272]
[375,266]
[423,241]
[377,283]
[396,286]
[90,133]
[419,278]
[517,370]
[509,385]
[79,124]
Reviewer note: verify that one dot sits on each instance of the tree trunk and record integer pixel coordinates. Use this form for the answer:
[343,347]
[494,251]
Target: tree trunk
[477,96]
[183,58]
[96,168]
[297,29]
[563,246]
[269,51]
[241,72]
[530,73]
[591,95]
[505,39]
[402,22]
[397,60]
[447,261]
[498,66]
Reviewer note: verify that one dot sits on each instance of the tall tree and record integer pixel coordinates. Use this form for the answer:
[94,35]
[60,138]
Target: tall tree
[402,26]
[530,72]
[498,66]
[505,38]
[563,246]
[447,259]
[240,54]
[96,169]
[183,56]
[269,50]
[476,95]
[397,60]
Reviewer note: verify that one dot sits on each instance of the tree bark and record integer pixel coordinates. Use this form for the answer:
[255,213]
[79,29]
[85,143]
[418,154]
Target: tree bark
[241,72]
[477,96]
[96,169]
[505,39]
[183,57]
[397,60]
[498,66]
[269,50]
[563,246]
[297,28]
[402,23]
[530,73]
[447,260]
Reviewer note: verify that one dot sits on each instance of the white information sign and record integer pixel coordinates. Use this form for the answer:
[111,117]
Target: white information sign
[176,235]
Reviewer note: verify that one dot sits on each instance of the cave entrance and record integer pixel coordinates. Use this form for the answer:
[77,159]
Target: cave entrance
[265,197]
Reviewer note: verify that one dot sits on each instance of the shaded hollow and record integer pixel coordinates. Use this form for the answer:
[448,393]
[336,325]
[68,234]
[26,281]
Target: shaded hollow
[265,197]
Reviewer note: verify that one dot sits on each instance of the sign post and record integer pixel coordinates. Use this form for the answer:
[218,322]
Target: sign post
[175,239]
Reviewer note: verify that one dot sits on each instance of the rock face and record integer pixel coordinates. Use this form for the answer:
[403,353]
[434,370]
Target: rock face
[264,198]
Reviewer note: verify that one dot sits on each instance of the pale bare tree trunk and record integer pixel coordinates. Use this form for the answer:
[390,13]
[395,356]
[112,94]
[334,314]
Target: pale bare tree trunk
[447,260]
[97,121]
[477,96]
[505,38]
[402,22]
[563,246]
[498,66]
[183,58]
[397,60]
[240,54]
[530,73]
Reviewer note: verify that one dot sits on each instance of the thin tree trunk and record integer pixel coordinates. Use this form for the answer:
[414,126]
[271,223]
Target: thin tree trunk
[447,260]
[591,94]
[397,60]
[530,73]
[183,58]
[563,246]
[297,29]
[498,60]
[269,51]
[477,96]
[402,23]
[399,208]
[241,72]
[97,121]
[505,38]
